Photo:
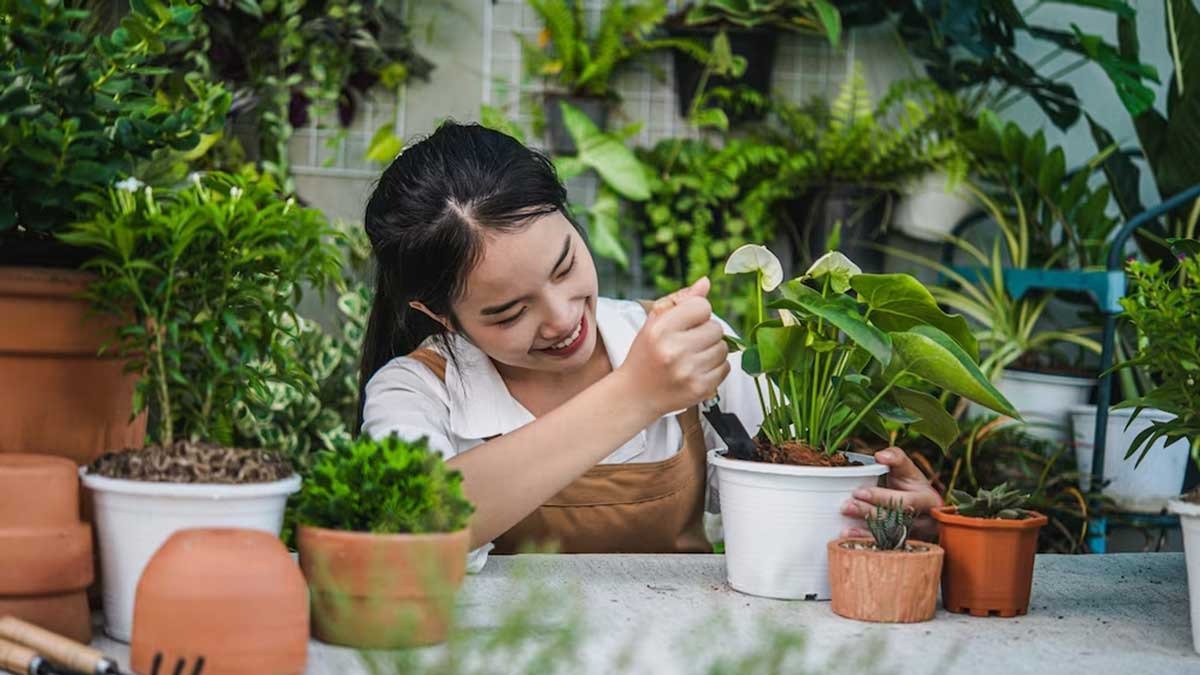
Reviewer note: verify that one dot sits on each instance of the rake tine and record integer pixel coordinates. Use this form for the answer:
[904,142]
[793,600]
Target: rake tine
[199,666]
[156,663]
[179,664]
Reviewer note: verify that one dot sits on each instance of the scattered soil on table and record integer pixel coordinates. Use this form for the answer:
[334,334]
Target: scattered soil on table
[194,462]
[797,453]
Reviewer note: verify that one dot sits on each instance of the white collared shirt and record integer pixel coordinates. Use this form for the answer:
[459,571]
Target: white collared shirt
[473,404]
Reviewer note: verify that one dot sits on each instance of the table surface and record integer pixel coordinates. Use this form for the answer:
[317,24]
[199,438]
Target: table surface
[1094,614]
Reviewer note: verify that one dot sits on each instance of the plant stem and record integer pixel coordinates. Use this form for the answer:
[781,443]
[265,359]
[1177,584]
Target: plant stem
[863,413]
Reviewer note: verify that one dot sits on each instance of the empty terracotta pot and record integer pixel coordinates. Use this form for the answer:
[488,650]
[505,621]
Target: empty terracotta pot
[989,562]
[45,552]
[886,586]
[58,396]
[232,596]
[382,591]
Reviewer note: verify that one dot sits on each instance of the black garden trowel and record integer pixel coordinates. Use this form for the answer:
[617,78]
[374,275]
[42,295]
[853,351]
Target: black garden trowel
[738,443]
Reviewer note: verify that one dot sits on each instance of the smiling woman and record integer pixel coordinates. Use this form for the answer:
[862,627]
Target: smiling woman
[573,418]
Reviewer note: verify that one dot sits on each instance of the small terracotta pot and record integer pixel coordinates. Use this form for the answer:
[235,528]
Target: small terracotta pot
[989,562]
[36,561]
[382,591]
[886,586]
[63,613]
[233,596]
[38,491]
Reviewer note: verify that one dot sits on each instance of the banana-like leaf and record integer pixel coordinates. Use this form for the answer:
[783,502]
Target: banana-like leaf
[781,348]
[936,358]
[898,302]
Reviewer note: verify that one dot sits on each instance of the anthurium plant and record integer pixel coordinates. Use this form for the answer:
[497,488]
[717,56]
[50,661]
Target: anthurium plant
[847,350]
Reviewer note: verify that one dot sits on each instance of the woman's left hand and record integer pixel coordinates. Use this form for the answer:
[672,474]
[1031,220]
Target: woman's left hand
[905,483]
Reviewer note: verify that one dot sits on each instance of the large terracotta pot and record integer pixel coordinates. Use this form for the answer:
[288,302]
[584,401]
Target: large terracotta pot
[886,586]
[45,551]
[382,591]
[232,596]
[58,396]
[989,562]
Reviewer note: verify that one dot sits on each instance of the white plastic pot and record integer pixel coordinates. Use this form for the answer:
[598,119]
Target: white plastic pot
[929,212]
[778,519]
[1045,401]
[1145,489]
[133,518]
[1189,522]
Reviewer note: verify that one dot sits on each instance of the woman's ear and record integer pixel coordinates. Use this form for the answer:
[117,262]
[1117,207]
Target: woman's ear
[420,307]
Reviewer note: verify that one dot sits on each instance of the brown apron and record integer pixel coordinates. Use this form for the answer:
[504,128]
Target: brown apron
[636,507]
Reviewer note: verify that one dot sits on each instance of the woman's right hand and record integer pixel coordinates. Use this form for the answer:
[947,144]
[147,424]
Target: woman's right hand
[679,357]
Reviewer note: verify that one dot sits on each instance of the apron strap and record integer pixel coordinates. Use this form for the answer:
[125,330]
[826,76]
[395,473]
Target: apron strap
[431,360]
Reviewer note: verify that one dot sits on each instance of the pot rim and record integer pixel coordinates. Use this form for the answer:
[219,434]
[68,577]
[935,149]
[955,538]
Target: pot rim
[869,467]
[1183,508]
[279,488]
[949,515]
[1153,414]
[398,538]
[928,549]
[1049,378]
[30,463]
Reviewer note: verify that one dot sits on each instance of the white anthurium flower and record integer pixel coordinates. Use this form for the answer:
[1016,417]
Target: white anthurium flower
[787,318]
[130,184]
[838,267]
[755,258]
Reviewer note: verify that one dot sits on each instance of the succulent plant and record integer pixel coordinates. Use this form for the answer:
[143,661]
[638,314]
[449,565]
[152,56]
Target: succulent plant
[999,502]
[890,525]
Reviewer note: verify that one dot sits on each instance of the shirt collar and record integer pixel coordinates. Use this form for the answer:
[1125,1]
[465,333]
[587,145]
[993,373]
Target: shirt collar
[480,403]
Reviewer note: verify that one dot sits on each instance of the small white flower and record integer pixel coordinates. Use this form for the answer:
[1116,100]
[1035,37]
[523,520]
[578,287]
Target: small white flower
[755,258]
[235,193]
[130,184]
[288,206]
[838,267]
[195,177]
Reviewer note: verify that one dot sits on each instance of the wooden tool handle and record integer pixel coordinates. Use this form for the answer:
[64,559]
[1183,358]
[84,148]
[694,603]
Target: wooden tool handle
[51,646]
[18,658]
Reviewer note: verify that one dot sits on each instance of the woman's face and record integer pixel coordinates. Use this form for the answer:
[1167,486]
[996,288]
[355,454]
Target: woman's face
[530,302]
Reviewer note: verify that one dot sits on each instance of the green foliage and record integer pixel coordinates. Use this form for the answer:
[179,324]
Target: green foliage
[889,526]
[837,360]
[805,16]
[384,486]
[582,62]
[1164,307]
[202,279]
[1000,502]
[81,109]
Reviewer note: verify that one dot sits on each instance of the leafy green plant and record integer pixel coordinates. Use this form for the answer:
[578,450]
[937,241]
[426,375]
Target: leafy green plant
[889,526]
[837,360]
[581,62]
[383,486]
[202,279]
[1000,502]
[1164,307]
[81,109]
[804,16]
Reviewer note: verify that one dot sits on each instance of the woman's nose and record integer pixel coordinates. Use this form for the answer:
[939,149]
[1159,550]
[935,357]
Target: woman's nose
[559,321]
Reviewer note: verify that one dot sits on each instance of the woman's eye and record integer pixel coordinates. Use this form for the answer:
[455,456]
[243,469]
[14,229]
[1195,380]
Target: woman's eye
[568,270]
[512,319]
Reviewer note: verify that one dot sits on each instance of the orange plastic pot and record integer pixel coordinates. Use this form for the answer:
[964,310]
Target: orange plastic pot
[233,596]
[989,562]
[382,591]
[884,586]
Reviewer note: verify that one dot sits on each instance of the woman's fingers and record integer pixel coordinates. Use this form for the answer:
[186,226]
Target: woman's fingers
[854,532]
[901,469]
[698,289]
[917,501]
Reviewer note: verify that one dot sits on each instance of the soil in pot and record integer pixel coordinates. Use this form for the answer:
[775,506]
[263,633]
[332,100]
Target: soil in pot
[868,584]
[797,453]
[194,462]
[988,569]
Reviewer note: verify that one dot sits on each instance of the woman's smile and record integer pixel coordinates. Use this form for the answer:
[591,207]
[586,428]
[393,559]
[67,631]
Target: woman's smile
[570,344]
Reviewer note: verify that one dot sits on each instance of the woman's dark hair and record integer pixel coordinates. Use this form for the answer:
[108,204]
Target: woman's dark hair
[426,220]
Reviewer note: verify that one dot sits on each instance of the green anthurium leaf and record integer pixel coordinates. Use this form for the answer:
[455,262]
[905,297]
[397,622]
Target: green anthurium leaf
[781,348]
[898,302]
[933,422]
[842,312]
[936,358]
[751,363]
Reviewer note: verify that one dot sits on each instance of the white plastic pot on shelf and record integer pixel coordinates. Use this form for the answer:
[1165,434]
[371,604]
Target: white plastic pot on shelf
[1189,522]
[1144,489]
[778,519]
[928,211]
[1044,400]
[134,518]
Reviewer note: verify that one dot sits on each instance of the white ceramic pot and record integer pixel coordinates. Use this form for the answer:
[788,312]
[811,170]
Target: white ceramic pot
[1045,401]
[928,211]
[1144,489]
[778,519]
[1189,522]
[133,518]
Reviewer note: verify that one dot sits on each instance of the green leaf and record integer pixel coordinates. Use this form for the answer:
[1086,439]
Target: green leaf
[604,228]
[615,163]
[898,302]
[935,422]
[781,348]
[385,145]
[843,313]
[936,358]
[831,21]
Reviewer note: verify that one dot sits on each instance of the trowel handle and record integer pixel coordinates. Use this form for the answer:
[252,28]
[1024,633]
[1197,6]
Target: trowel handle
[57,649]
[20,659]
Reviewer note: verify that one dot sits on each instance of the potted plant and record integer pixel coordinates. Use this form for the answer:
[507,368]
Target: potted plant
[747,32]
[836,363]
[888,578]
[79,110]
[209,272]
[990,542]
[579,63]
[383,543]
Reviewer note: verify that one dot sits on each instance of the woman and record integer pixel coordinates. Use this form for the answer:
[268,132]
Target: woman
[572,417]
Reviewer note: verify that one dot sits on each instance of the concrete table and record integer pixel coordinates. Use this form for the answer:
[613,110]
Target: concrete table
[1120,614]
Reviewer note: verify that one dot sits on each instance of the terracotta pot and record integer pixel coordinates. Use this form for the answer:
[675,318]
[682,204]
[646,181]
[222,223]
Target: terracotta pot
[58,396]
[885,586]
[989,562]
[382,591]
[45,552]
[233,596]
